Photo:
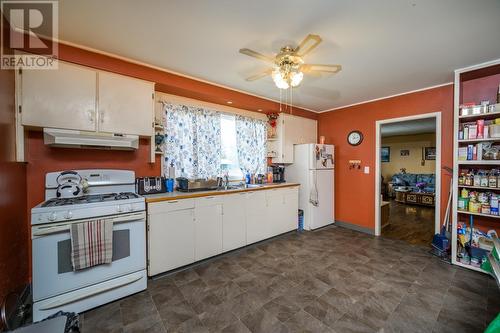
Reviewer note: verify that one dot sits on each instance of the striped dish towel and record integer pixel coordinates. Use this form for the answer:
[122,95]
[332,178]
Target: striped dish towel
[91,243]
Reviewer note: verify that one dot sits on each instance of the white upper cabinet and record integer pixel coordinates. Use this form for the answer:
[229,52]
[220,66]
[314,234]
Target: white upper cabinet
[61,98]
[292,130]
[125,104]
[81,98]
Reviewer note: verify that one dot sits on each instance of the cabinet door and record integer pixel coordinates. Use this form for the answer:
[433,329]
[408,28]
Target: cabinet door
[61,98]
[289,138]
[234,233]
[309,131]
[290,209]
[256,221]
[275,212]
[171,240]
[125,105]
[208,228]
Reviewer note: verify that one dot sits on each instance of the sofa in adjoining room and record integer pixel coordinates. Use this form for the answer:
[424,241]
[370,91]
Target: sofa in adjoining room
[410,181]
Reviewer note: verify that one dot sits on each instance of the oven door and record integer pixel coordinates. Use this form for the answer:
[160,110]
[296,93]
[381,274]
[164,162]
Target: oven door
[52,268]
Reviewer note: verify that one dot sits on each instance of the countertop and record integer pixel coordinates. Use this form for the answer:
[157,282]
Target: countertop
[176,195]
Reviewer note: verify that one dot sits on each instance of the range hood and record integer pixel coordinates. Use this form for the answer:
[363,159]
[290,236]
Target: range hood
[83,139]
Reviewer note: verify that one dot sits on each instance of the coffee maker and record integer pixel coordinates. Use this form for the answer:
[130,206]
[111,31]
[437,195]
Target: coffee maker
[278,173]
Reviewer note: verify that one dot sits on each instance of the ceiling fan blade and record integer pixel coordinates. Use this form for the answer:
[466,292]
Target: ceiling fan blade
[307,45]
[257,55]
[260,75]
[320,68]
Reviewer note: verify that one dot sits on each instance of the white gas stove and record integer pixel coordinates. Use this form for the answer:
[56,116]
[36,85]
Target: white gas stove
[100,199]
[107,194]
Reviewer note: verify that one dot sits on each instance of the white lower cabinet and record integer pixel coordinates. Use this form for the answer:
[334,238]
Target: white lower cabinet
[282,209]
[257,224]
[183,231]
[275,212]
[208,227]
[171,235]
[291,209]
[234,232]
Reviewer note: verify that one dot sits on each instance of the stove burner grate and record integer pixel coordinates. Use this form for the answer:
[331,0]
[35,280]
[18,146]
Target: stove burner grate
[56,202]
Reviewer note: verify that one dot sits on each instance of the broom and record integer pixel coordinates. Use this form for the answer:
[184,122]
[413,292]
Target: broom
[441,241]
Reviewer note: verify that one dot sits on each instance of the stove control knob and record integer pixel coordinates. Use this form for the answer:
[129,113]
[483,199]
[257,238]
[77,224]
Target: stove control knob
[68,215]
[119,208]
[127,208]
[52,216]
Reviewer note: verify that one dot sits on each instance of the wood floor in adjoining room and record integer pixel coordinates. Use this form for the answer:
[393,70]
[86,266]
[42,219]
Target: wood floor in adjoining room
[330,280]
[411,223]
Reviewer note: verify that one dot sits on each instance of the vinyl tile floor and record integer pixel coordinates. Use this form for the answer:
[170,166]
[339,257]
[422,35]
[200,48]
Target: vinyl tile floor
[331,280]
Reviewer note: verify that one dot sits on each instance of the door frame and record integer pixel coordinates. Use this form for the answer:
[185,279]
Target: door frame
[437,197]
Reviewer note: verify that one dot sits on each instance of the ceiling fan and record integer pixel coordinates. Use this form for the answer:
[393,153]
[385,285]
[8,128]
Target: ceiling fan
[288,66]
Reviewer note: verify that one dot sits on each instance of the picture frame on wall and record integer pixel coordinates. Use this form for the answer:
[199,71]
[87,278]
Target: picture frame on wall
[430,153]
[405,152]
[385,154]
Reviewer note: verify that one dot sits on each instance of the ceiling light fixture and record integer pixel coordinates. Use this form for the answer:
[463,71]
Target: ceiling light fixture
[287,70]
[229,102]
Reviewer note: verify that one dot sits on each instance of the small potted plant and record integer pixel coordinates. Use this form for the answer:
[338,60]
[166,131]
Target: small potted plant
[272,121]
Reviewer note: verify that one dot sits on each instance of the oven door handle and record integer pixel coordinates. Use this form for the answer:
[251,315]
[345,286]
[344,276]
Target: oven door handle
[47,230]
[94,291]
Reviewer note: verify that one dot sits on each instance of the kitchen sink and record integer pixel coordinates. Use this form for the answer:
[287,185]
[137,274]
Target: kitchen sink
[239,187]
[253,185]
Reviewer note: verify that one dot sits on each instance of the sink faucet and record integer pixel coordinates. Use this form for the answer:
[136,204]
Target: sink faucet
[226,181]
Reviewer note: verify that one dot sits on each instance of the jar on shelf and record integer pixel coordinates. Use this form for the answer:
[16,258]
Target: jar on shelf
[484,179]
[492,179]
[477,180]
[468,179]
[461,178]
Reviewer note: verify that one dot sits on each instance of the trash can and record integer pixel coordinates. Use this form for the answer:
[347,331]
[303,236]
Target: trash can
[300,227]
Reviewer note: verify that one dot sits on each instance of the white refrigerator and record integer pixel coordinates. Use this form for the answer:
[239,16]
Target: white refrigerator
[314,168]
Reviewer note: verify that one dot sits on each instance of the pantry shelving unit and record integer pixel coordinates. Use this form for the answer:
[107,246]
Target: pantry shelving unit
[473,84]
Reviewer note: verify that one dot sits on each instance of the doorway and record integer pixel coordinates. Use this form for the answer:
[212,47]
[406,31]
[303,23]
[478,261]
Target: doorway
[408,177]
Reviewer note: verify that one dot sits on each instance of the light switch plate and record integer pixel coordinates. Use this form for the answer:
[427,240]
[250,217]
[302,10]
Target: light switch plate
[367,170]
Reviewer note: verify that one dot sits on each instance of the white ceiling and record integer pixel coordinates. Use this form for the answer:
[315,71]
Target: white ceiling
[409,127]
[386,47]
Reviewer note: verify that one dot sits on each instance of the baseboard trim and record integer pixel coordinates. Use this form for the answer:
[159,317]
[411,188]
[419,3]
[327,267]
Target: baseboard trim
[355,227]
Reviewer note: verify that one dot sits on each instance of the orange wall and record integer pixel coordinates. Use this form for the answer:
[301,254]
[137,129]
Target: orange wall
[354,190]
[14,234]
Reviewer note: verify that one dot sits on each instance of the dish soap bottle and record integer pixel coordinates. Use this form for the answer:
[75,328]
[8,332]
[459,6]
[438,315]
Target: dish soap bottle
[248,178]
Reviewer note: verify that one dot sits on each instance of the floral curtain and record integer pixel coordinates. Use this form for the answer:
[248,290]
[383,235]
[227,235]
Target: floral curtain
[251,144]
[192,141]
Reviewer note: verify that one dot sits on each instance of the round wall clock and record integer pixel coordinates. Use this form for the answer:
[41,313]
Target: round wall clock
[354,138]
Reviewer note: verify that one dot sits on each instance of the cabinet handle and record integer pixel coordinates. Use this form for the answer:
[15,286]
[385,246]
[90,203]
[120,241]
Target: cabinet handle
[209,198]
[172,201]
[101,116]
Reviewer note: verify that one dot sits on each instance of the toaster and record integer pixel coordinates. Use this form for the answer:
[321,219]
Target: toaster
[150,185]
